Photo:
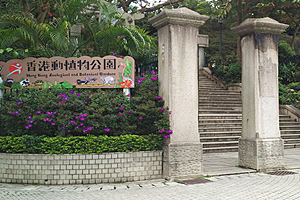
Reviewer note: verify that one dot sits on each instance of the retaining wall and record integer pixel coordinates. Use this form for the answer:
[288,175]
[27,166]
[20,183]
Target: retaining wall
[80,168]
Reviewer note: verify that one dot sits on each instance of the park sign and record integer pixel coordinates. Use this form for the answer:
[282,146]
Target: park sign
[82,72]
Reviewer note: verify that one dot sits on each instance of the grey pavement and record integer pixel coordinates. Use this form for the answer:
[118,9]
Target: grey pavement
[247,185]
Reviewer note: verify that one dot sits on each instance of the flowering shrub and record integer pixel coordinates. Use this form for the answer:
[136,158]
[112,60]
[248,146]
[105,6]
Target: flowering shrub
[77,112]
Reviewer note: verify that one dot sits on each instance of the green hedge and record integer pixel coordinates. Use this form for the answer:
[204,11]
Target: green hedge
[79,144]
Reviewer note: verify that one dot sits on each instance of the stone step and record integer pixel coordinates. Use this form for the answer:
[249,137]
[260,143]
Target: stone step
[220,116]
[289,123]
[291,141]
[289,136]
[219,144]
[218,139]
[289,132]
[219,129]
[220,134]
[219,100]
[285,127]
[225,92]
[201,125]
[290,146]
[210,107]
[219,111]
[221,149]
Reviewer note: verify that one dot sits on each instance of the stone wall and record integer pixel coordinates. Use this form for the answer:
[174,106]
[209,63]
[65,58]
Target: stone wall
[80,168]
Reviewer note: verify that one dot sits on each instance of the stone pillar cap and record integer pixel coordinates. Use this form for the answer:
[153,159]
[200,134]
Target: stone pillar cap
[259,25]
[180,16]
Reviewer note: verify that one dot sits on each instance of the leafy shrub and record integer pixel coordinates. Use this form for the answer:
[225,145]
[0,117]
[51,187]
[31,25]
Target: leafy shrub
[228,74]
[76,112]
[286,97]
[295,86]
[79,144]
[288,72]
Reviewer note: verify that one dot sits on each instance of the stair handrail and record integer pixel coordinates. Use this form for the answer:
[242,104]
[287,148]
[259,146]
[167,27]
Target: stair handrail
[291,111]
[206,71]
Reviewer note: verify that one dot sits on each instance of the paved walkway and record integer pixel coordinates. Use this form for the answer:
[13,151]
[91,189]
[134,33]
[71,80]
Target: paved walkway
[239,186]
[226,163]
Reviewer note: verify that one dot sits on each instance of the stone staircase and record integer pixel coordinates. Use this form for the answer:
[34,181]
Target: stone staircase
[220,118]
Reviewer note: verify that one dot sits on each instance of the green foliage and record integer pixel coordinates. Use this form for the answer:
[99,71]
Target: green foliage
[288,72]
[79,144]
[286,97]
[294,86]
[228,74]
[54,111]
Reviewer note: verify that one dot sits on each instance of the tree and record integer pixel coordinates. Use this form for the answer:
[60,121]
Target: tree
[101,35]
[284,11]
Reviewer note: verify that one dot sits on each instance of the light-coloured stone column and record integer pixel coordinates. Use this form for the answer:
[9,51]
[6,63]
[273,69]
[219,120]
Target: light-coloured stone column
[260,146]
[178,79]
[202,44]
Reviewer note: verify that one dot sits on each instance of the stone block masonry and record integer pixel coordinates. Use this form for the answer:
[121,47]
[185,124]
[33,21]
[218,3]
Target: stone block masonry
[80,168]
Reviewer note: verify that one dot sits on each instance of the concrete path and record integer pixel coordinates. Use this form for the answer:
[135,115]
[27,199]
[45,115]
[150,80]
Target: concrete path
[245,186]
[227,163]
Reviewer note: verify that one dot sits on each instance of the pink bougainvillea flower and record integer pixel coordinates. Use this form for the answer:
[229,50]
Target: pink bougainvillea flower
[61,102]
[53,123]
[154,78]
[81,124]
[71,121]
[26,127]
[87,100]
[121,115]
[140,118]
[84,92]
[77,127]
[158,97]
[78,94]
[152,72]
[63,127]
[169,132]
[142,79]
[66,98]
[54,112]
[137,78]
[107,129]
[162,109]
[72,92]
[35,122]
[89,94]
[170,112]
[121,108]
[113,53]
[19,102]
[128,111]
[120,56]
[166,136]
[82,119]
[76,117]
[153,88]
[75,124]
[128,95]
[162,130]
[139,81]
[142,74]
[69,131]
[89,128]
[38,112]
[15,113]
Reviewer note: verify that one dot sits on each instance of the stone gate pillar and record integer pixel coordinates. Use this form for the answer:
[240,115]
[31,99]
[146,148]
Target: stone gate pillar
[178,79]
[260,146]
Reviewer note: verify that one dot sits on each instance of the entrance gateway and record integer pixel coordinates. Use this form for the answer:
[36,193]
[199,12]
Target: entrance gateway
[260,146]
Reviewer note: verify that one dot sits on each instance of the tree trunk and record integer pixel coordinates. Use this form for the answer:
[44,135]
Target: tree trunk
[41,17]
[294,36]
[239,21]
[26,8]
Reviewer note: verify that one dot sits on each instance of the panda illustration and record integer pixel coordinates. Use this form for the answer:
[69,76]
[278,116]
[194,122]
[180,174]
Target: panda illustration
[9,82]
[25,83]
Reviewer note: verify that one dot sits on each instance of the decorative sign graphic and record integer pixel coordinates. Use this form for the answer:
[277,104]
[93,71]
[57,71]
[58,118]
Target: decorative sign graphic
[83,72]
